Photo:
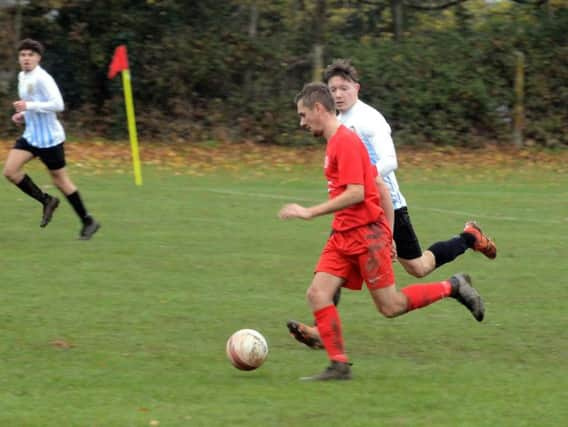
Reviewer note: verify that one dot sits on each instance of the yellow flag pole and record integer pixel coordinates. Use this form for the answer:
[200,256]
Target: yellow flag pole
[131,126]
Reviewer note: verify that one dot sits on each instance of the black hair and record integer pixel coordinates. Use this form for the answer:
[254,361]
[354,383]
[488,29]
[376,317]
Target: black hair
[33,45]
[342,68]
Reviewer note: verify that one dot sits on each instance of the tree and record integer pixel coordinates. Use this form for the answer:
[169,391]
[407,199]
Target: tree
[397,18]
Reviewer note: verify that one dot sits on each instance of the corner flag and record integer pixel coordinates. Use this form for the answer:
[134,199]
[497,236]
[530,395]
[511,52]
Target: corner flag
[119,64]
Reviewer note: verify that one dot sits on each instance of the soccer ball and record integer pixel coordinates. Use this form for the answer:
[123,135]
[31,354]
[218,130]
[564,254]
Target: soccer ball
[247,349]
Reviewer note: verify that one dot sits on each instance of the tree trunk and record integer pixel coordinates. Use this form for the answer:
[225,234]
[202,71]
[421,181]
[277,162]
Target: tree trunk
[319,36]
[519,111]
[252,32]
[397,19]
[318,63]
[18,21]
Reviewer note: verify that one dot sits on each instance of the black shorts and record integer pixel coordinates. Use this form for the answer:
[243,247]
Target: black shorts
[407,244]
[52,157]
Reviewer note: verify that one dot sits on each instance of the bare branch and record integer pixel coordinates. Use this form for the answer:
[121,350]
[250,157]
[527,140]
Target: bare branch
[531,2]
[422,6]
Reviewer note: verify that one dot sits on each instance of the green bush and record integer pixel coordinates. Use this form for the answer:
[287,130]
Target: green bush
[197,75]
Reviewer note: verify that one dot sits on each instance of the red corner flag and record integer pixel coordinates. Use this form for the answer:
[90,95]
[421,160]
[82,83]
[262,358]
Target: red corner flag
[119,61]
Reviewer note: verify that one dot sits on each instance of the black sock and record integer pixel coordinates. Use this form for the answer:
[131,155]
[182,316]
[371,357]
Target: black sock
[31,189]
[449,250]
[79,207]
[469,239]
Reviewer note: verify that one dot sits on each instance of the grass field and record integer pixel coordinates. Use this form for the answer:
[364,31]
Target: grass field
[129,329]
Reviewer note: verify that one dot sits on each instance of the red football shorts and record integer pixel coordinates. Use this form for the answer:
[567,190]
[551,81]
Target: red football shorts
[360,254]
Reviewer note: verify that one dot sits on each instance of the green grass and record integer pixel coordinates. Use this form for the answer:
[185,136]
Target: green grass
[183,262]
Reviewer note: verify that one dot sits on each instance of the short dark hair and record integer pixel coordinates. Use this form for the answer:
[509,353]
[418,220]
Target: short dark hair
[29,44]
[316,92]
[342,68]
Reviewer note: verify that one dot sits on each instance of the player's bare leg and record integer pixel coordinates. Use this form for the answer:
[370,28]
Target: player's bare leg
[419,267]
[446,251]
[13,172]
[13,167]
[392,303]
[62,181]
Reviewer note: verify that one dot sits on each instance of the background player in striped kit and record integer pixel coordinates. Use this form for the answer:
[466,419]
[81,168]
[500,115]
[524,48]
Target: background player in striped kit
[343,81]
[37,107]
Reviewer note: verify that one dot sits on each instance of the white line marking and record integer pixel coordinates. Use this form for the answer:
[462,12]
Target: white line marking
[491,217]
[464,214]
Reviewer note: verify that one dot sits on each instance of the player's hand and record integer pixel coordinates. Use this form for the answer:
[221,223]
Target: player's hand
[18,118]
[394,255]
[20,106]
[294,210]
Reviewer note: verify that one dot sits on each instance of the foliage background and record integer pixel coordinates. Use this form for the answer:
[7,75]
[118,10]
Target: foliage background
[229,70]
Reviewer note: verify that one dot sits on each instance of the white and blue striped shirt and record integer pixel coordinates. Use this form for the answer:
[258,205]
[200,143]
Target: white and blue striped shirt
[375,133]
[43,101]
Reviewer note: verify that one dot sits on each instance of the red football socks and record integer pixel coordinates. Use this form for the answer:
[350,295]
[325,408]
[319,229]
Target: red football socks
[425,294]
[329,327]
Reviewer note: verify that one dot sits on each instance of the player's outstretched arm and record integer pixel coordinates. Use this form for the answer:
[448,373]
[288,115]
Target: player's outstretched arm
[353,194]
[293,210]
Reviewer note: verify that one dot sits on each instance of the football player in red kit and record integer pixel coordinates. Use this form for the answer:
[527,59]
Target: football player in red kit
[359,247]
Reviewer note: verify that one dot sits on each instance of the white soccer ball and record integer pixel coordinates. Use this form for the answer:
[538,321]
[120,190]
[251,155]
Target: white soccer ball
[247,349]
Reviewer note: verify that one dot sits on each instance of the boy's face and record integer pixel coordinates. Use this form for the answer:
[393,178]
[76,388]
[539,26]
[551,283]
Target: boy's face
[310,119]
[345,92]
[28,59]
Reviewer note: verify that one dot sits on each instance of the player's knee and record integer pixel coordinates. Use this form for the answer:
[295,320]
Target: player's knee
[317,296]
[9,174]
[312,294]
[415,268]
[418,273]
[393,306]
[388,311]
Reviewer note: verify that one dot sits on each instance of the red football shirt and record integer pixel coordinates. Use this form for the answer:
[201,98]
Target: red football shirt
[347,162]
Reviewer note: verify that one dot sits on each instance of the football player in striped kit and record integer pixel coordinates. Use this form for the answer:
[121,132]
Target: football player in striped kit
[370,125]
[373,129]
[39,102]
